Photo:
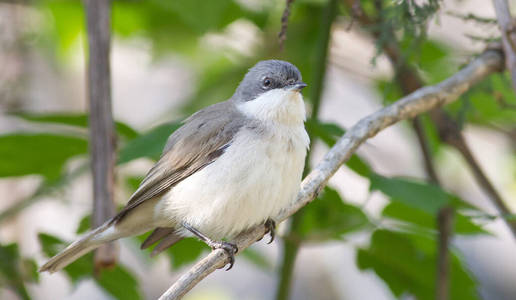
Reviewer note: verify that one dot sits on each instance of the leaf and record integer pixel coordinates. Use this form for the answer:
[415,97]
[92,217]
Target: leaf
[78,120]
[423,196]
[329,217]
[329,133]
[84,224]
[15,271]
[257,259]
[185,252]
[150,144]
[407,263]
[79,269]
[120,283]
[44,154]
[405,213]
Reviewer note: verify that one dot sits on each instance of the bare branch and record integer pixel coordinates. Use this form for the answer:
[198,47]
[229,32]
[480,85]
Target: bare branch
[102,131]
[282,35]
[418,102]
[508,29]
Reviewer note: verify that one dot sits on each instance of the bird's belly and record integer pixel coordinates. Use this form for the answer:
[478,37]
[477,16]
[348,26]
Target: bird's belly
[253,180]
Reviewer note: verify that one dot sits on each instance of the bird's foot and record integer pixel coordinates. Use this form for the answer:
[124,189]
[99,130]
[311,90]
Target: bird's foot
[270,226]
[230,248]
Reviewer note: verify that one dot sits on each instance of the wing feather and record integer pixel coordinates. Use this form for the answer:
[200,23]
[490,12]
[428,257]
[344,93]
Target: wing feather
[202,139]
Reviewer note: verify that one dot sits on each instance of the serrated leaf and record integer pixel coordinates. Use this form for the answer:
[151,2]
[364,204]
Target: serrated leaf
[329,217]
[407,264]
[185,252]
[149,144]
[43,154]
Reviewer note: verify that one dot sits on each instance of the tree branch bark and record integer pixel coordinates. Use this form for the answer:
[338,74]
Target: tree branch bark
[418,102]
[102,130]
[508,29]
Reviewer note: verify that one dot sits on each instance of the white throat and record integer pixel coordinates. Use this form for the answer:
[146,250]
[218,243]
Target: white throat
[276,106]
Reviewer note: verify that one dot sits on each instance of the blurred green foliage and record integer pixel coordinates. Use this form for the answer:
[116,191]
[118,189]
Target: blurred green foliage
[402,253]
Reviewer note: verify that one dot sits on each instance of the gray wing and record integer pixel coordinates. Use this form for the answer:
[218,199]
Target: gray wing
[200,141]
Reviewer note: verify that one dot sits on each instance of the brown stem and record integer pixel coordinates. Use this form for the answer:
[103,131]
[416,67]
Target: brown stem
[508,29]
[102,132]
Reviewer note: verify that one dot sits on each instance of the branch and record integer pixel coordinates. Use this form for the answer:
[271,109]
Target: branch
[508,29]
[282,35]
[407,107]
[102,131]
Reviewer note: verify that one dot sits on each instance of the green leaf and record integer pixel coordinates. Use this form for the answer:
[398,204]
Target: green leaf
[185,252]
[14,271]
[329,217]
[78,120]
[407,263]
[79,269]
[44,154]
[257,259]
[84,224]
[411,215]
[329,133]
[149,144]
[420,195]
[120,283]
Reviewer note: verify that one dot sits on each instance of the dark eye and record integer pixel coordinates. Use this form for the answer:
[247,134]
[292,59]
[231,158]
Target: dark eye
[267,82]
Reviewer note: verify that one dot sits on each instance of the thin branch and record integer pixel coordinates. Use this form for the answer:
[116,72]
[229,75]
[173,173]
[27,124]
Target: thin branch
[508,29]
[407,107]
[102,129]
[282,35]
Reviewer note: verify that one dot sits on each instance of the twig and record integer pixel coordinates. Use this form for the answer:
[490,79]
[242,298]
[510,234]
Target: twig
[407,107]
[445,225]
[282,35]
[102,131]
[508,29]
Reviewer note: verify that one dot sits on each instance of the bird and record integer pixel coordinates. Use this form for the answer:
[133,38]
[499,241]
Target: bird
[230,166]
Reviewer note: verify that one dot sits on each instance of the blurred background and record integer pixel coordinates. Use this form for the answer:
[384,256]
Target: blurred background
[371,235]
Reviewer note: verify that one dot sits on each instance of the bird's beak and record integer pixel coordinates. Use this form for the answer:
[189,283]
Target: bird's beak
[298,86]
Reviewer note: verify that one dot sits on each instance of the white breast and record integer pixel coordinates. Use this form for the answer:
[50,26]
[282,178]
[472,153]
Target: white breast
[257,176]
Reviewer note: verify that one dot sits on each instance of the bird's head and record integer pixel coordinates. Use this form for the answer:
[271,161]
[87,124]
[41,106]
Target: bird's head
[271,91]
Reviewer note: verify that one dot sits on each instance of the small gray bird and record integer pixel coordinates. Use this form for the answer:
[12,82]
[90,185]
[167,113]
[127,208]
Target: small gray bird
[231,166]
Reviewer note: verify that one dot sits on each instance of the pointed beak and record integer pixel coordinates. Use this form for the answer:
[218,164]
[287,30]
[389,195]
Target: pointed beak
[298,86]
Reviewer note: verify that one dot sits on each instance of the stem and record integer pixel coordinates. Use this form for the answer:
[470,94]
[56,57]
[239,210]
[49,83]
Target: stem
[291,240]
[102,129]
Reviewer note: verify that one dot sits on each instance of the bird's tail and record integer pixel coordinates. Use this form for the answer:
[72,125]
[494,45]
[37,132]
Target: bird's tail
[78,248]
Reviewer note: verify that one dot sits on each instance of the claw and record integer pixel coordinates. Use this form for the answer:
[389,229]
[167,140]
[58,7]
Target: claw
[270,225]
[231,250]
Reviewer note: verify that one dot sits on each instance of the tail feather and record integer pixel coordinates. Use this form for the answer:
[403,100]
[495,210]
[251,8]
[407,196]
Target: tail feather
[77,249]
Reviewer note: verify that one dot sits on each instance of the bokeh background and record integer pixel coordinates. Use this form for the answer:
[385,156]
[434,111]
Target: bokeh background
[362,240]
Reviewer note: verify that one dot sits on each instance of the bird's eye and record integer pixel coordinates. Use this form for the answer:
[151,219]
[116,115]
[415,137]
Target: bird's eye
[267,82]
